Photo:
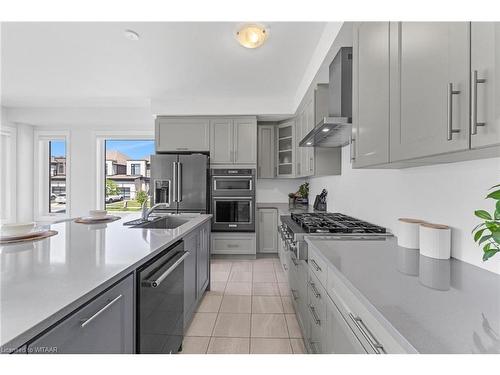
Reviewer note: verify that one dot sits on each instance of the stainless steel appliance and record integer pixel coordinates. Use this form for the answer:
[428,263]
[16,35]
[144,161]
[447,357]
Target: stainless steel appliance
[335,130]
[160,302]
[295,227]
[182,180]
[233,200]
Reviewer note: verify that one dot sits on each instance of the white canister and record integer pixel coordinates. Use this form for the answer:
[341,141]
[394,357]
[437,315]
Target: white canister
[408,232]
[435,240]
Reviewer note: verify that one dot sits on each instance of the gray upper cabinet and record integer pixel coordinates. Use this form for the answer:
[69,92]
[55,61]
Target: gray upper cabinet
[265,151]
[267,230]
[285,140]
[182,134]
[103,326]
[485,100]
[221,141]
[370,136]
[233,141]
[245,141]
[429,73]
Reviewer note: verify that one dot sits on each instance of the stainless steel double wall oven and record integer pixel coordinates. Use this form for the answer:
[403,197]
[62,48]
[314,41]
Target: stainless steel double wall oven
[233,200]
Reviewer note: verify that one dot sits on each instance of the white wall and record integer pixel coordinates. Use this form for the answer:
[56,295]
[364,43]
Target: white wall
[445,194]
[276,190]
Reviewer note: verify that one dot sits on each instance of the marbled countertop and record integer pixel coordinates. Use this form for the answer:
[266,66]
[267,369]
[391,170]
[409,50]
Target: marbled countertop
[43,281]
[438,306]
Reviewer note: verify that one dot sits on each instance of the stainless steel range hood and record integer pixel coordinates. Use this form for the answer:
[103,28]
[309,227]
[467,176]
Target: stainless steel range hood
[335,130]
[330,132]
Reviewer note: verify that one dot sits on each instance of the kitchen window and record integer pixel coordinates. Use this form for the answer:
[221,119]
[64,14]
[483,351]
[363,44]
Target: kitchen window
[52,165]
[124,164]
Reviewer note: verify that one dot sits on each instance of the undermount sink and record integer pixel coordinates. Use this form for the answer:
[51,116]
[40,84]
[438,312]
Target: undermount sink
[164,222]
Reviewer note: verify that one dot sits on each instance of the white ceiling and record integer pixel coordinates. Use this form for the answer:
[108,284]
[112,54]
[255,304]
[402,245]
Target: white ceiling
[181,67]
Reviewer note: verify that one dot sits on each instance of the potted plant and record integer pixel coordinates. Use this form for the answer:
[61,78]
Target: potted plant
[487,233]
[300,196]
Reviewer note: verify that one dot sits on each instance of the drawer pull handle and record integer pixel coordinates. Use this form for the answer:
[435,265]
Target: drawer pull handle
[84,322]
[317,321]
[314,290]
[377,347]
[232,246]
[315,265]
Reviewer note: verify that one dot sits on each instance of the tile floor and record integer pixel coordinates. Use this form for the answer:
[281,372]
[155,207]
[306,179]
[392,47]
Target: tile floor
[247,311]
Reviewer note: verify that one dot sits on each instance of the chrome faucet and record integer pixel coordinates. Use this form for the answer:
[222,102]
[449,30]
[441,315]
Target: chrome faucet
[146,212]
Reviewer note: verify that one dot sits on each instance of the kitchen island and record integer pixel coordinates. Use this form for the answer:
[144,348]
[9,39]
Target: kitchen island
[42,282]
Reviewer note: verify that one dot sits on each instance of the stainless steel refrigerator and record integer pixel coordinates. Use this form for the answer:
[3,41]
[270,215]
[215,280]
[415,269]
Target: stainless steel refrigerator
[186,176]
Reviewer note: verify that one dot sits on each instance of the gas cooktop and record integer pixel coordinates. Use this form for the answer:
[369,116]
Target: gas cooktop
[334,223]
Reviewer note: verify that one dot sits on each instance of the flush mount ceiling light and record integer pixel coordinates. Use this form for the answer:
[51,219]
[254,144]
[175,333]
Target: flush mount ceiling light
[326,130]
[131,34]
[252,35]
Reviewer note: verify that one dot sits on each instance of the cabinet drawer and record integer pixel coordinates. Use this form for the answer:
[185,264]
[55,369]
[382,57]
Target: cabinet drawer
[316,297]
[231,243]
[362,321]
[317,266]
[104,325]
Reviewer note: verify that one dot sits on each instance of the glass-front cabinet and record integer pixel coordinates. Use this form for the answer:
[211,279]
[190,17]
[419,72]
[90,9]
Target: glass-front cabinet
[285,149]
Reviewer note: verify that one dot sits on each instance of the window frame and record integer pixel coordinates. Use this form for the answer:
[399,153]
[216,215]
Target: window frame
[41,198]
[100,162]
[11,196]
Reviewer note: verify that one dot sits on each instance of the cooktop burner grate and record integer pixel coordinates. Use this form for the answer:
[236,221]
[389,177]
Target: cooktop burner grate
[334,223]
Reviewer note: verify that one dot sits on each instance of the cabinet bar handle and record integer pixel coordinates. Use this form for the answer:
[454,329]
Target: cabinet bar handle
[84,322]
[315,265]
[450,129]
[474,123]
[367,334]
[353,157]
[314,315]
[314,290]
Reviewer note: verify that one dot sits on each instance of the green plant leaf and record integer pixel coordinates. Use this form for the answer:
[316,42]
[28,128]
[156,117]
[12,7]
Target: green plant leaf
[494,195]
[483,214]
[488,254]
[477,227]
[484,238]
[494,186]
[496,236]
[478,234]
[492,226]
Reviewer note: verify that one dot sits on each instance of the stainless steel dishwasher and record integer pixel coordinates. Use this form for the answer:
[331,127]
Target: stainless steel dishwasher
[160,302]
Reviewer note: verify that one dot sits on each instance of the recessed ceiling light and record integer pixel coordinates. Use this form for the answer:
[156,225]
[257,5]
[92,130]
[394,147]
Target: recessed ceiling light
[131,34]
[308,143]
[252,35]
[326,130]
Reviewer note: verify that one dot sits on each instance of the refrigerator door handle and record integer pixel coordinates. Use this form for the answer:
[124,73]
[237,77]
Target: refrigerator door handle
[174,185]
[179,182]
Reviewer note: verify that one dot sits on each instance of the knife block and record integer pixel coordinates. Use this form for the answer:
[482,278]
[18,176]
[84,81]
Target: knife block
[318,205]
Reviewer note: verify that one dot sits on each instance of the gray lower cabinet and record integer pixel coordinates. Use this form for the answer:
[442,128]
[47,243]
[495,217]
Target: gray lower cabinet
[265,151]
[228,243]
[191,244]
[196,269]
[370,137]
[104,325]
[267,229]
[485,100]
[203,259]
[429,70]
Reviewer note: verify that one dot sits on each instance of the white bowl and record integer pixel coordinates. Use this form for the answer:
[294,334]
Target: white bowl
[98,214]
[16,229]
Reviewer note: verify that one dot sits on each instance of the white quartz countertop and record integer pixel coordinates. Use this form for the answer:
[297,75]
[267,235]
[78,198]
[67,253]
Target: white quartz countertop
[438,306]
[43,281]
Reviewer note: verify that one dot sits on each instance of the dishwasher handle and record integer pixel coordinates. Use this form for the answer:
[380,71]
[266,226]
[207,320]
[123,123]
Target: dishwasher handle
[154,282]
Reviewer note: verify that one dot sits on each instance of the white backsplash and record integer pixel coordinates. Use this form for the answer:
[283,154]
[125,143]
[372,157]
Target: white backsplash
[276,190]
[444,194]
